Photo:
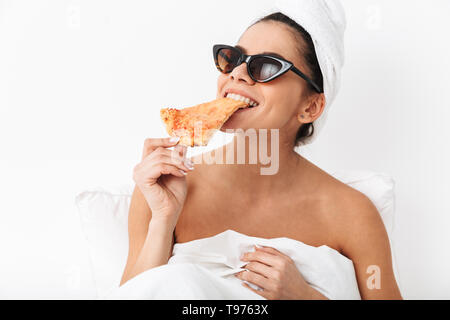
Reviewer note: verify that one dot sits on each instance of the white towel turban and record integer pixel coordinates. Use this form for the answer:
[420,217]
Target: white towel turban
[325,22]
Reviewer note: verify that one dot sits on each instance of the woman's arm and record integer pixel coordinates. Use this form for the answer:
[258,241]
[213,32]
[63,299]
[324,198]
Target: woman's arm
[365,241]
[139,216]
[140,230]
[156,203]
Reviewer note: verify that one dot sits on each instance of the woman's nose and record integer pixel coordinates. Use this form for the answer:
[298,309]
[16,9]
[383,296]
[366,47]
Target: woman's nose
[240,73]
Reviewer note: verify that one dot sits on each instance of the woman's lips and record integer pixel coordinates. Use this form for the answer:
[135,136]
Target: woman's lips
[250,102]
[247,110]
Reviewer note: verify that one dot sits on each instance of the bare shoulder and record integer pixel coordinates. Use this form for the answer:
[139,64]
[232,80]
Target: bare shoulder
[352,216]
[346,201]
[358,215]
[354,205]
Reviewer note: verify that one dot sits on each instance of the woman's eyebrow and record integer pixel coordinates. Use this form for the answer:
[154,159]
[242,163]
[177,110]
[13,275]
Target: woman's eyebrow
[265,52]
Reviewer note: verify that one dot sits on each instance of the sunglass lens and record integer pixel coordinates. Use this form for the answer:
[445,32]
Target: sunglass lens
[227,59]
[262,68]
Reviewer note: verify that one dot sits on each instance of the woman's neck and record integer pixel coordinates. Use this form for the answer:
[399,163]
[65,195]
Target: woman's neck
[256,165]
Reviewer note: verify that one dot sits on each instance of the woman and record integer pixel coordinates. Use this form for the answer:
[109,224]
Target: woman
[173,203]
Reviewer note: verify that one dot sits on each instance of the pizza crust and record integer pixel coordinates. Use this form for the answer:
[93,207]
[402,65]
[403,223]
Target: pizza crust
[196,125]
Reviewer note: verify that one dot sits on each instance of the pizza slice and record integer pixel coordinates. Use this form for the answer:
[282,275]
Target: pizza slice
[196,125]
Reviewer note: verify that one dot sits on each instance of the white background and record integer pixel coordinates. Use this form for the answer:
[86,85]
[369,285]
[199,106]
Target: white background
[82,82]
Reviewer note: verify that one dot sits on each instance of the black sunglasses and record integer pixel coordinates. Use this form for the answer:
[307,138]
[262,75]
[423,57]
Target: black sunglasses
[260,67]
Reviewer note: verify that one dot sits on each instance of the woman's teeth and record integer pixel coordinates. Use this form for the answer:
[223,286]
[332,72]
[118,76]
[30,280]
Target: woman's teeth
[238,97]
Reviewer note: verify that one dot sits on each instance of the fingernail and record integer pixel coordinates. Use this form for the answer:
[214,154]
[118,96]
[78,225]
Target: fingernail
[188,163]
[174,139]
[184,173]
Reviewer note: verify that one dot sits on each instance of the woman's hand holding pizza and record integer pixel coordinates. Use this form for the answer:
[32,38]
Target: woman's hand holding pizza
[161,177]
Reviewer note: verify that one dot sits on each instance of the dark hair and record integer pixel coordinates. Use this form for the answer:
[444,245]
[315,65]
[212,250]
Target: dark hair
[309,53]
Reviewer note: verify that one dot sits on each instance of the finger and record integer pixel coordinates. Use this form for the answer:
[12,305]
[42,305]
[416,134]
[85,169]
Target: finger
[162,155]
[163,150]
[254,278]
[150,144]
[172,153]
[179,153]
[163,168]
[259,268]
[262,293]
[263,257]
[271,251]
[276,252]
[181,150]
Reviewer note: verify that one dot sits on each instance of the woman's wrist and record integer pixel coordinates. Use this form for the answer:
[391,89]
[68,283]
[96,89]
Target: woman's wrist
[160,233]
[164,223]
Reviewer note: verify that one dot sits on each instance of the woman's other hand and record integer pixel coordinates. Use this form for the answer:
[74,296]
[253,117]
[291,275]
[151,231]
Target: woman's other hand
[161,177]
[276,274]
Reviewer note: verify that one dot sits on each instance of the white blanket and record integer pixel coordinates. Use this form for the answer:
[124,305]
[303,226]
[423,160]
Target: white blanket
[205,268]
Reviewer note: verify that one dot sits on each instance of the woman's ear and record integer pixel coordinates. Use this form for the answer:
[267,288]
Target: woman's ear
[312,110]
